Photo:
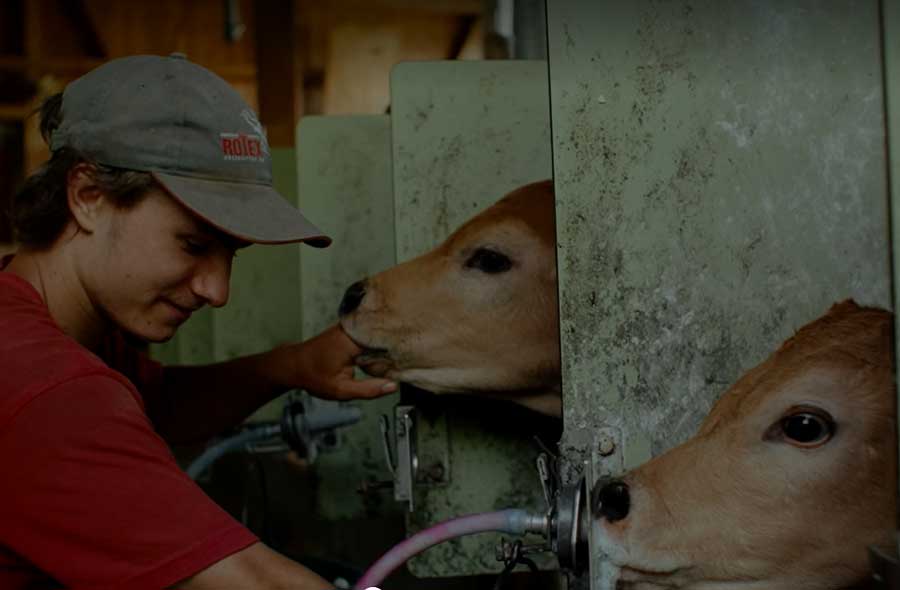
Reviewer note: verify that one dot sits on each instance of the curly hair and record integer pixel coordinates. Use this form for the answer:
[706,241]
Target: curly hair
[39,210]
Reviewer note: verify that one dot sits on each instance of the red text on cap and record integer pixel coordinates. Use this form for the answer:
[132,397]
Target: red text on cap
[240,146]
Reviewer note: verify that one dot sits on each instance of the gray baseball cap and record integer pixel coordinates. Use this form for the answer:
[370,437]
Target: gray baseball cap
[194,133]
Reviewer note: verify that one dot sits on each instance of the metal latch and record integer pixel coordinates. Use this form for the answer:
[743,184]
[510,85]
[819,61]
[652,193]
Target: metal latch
[407,461]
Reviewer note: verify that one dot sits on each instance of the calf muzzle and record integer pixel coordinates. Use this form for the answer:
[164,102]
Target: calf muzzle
[353,296]
[611,500]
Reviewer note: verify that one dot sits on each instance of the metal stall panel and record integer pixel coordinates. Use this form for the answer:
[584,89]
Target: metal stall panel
[720,178]
[263,308]
[344,174]
[465,133]
[192,344]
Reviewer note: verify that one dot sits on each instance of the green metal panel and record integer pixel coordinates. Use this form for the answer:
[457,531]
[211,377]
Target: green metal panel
[263,309]
[344,171]
[720,177]
[465,133]
[191,345]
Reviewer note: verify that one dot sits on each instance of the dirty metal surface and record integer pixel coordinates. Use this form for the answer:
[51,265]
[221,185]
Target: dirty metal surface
[344,187]
[720,181]
[464,134]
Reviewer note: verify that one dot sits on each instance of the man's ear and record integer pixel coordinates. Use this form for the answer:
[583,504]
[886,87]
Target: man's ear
[86,201]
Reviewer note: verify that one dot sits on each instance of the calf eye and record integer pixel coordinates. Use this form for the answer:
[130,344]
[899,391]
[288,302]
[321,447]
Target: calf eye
[807,429]
[489,261]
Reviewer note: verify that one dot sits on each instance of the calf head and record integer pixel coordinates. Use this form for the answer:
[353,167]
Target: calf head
[789,480]
[478,314]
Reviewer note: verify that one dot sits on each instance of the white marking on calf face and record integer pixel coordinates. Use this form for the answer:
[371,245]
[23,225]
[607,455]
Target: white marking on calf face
[476,315]
[789,480]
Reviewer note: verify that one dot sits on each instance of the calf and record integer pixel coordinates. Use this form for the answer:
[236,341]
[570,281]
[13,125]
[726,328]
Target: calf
[791,476]
[478,314]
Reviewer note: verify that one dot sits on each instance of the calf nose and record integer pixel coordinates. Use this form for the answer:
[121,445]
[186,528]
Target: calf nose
[611,500]
[352,297]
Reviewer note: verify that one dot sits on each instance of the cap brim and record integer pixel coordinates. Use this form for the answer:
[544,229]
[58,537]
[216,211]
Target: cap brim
[250,212]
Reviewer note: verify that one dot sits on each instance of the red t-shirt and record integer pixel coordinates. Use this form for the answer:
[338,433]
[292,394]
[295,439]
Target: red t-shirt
[90,495]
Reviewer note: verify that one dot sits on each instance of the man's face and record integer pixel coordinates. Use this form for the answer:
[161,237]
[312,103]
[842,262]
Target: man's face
[147,268]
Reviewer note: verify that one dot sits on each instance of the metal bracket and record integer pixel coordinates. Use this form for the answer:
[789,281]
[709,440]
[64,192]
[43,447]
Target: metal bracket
[407,461]
[570,525]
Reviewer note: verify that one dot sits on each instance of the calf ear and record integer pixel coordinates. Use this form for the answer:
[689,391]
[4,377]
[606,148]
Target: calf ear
[845,306]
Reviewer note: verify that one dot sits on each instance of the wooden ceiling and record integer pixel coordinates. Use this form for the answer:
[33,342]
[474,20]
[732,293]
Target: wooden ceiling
[294,57]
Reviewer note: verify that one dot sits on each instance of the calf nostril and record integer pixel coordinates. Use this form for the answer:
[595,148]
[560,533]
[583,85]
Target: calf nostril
[611,500]
[352,297]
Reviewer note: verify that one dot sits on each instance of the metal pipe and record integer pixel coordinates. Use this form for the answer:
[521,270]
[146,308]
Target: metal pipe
[529,30]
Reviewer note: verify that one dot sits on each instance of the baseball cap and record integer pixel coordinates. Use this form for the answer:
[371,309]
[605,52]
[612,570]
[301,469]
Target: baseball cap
[196,136]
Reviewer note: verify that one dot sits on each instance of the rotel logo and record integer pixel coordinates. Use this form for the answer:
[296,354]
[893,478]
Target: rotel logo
[240,146]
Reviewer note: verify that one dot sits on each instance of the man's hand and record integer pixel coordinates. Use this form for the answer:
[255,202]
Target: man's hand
[324,365]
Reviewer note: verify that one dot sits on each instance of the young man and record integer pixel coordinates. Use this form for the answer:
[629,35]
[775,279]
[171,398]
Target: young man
[159,173]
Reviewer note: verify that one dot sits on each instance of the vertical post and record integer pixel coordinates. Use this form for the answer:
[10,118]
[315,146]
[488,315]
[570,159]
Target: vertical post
[33,38]
[890,13]
[530,29]
[278,71]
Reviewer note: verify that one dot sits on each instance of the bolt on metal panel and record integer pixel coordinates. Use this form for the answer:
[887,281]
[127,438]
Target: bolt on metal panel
[464,134]
[720,181]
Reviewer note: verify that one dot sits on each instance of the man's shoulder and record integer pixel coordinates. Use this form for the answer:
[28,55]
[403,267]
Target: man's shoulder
[35,354]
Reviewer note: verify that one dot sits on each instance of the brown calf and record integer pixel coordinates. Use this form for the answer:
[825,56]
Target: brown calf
[791,476]
[478,314]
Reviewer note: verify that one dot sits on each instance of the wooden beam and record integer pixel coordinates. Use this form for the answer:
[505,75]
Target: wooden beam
[14,63]
[464,32]
[33,37]
[78,16]
[473,47]
[12,21]
[363,50]
[15,112]
[277,71]
[402,7]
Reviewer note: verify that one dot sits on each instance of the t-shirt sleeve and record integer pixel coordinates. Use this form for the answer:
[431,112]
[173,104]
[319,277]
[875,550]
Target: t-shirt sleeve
[123,357]
[94,497]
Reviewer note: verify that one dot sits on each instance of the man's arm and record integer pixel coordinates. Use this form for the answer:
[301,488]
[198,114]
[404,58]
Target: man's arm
[199,402]
[255,568]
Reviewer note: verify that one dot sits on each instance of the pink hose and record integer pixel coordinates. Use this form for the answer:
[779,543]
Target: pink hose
[516,522]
